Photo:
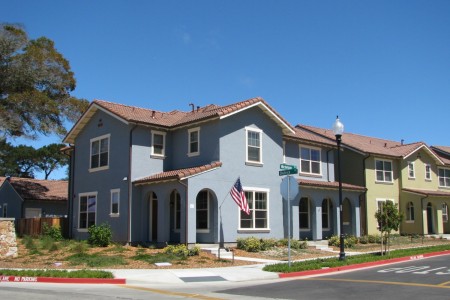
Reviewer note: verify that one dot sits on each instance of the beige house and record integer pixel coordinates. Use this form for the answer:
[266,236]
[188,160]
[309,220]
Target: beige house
[414,176]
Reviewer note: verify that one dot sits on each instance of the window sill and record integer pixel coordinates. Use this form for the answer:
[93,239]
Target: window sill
[253,164]
[114,215]
[155,156]
[91,170]
[253,230]
[385,182]
[411,178]
[310,175]
[193,154]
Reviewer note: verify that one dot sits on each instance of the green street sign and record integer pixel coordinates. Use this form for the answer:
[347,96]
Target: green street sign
[288,171]
[287,167]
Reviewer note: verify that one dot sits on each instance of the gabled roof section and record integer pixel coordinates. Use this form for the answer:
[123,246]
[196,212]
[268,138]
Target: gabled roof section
[35,189]
[309,137]
[175,118]
[179,174]
[443,152]
[372,145]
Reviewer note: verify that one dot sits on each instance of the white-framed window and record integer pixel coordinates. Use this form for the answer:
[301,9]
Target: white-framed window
[310,161]
[99,153]
[5,210]
[87,210]
[383,169]
[202,206]
[175,201]
[427,172]
[444,212]
[258,203]
[254,145]
[410,212]
[194,141]
[158,143]
[326,214]
[115,202]
[381,202]
[411,173]
[444,177]
[303,214]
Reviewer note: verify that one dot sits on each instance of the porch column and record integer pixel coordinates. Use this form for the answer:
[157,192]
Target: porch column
[191,213]
[295,232]
[356,222]
[336,223]
[317,222]
[439,227]
[424,218]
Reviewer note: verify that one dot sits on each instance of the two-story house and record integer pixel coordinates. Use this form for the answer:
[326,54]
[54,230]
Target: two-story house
[166,176]
[411,175]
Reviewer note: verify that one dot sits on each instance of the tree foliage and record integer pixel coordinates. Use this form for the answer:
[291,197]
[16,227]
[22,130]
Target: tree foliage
[389,219]
[35,85]
[24,161]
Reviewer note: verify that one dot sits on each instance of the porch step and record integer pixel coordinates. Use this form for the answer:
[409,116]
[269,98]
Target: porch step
[224,253]
[320,245]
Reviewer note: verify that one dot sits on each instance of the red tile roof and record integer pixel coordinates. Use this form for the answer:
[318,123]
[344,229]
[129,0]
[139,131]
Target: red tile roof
[307,136]
[35,189]
[178,174]
[330,185]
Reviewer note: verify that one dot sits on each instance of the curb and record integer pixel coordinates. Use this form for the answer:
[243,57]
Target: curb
[62,280]
[362,265]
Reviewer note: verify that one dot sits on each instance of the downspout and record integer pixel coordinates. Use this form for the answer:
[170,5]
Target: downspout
[365,192]
[130,186]
[71,189]
[186,230]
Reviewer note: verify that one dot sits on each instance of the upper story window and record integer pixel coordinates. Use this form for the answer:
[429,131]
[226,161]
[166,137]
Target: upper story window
[427,172]
[100,153]
[411,173]
[444,177]
[158,143]
[194,141]
[115,201]
[383,170]
[254,145]
[259,210]
[310,161]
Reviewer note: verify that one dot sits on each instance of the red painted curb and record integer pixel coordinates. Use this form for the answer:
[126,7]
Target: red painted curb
[62,280]
[362,265]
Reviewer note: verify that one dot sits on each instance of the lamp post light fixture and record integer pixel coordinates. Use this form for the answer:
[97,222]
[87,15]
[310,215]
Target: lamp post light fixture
[338,129]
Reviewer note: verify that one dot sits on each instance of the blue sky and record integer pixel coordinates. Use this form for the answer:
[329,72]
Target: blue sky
[382,66]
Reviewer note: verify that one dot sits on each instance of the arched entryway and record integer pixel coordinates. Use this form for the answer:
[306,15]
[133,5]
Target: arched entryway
[430,218]
[205,217]
[175,216]
[304,216]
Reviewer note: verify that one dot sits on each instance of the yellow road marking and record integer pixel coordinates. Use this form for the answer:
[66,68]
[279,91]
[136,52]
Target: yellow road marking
[170,293]
[442,285]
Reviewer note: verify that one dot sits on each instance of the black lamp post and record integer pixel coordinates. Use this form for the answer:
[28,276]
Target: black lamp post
[338,129]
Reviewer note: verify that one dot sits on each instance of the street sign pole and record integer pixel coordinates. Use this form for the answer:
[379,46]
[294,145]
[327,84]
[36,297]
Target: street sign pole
[289,221]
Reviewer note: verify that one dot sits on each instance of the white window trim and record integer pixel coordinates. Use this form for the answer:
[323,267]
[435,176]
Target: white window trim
[153,144]
[300,160]
[251,162]
[308,201]
[111,214]
[255,189]
[106,136]
[190,154]
[207,214]
[413,169]
[428,178]
[96,205]
[446,213]
[439,179]
[392,171]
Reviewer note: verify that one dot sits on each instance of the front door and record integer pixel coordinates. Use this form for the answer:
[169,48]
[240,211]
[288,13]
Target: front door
[430,218]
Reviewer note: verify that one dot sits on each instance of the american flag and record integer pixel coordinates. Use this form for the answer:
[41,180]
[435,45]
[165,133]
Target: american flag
[238,195]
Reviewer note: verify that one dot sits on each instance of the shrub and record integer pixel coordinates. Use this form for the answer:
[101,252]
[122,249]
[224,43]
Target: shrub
[100,236]
[266,244]
[249,244]
[349,241]
[178,250]
[52,231]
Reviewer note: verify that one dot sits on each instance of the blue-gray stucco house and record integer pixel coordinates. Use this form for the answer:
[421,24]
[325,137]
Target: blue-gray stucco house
[165,177]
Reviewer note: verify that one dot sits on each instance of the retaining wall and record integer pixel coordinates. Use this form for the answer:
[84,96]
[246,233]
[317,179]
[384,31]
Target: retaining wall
[8,243]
